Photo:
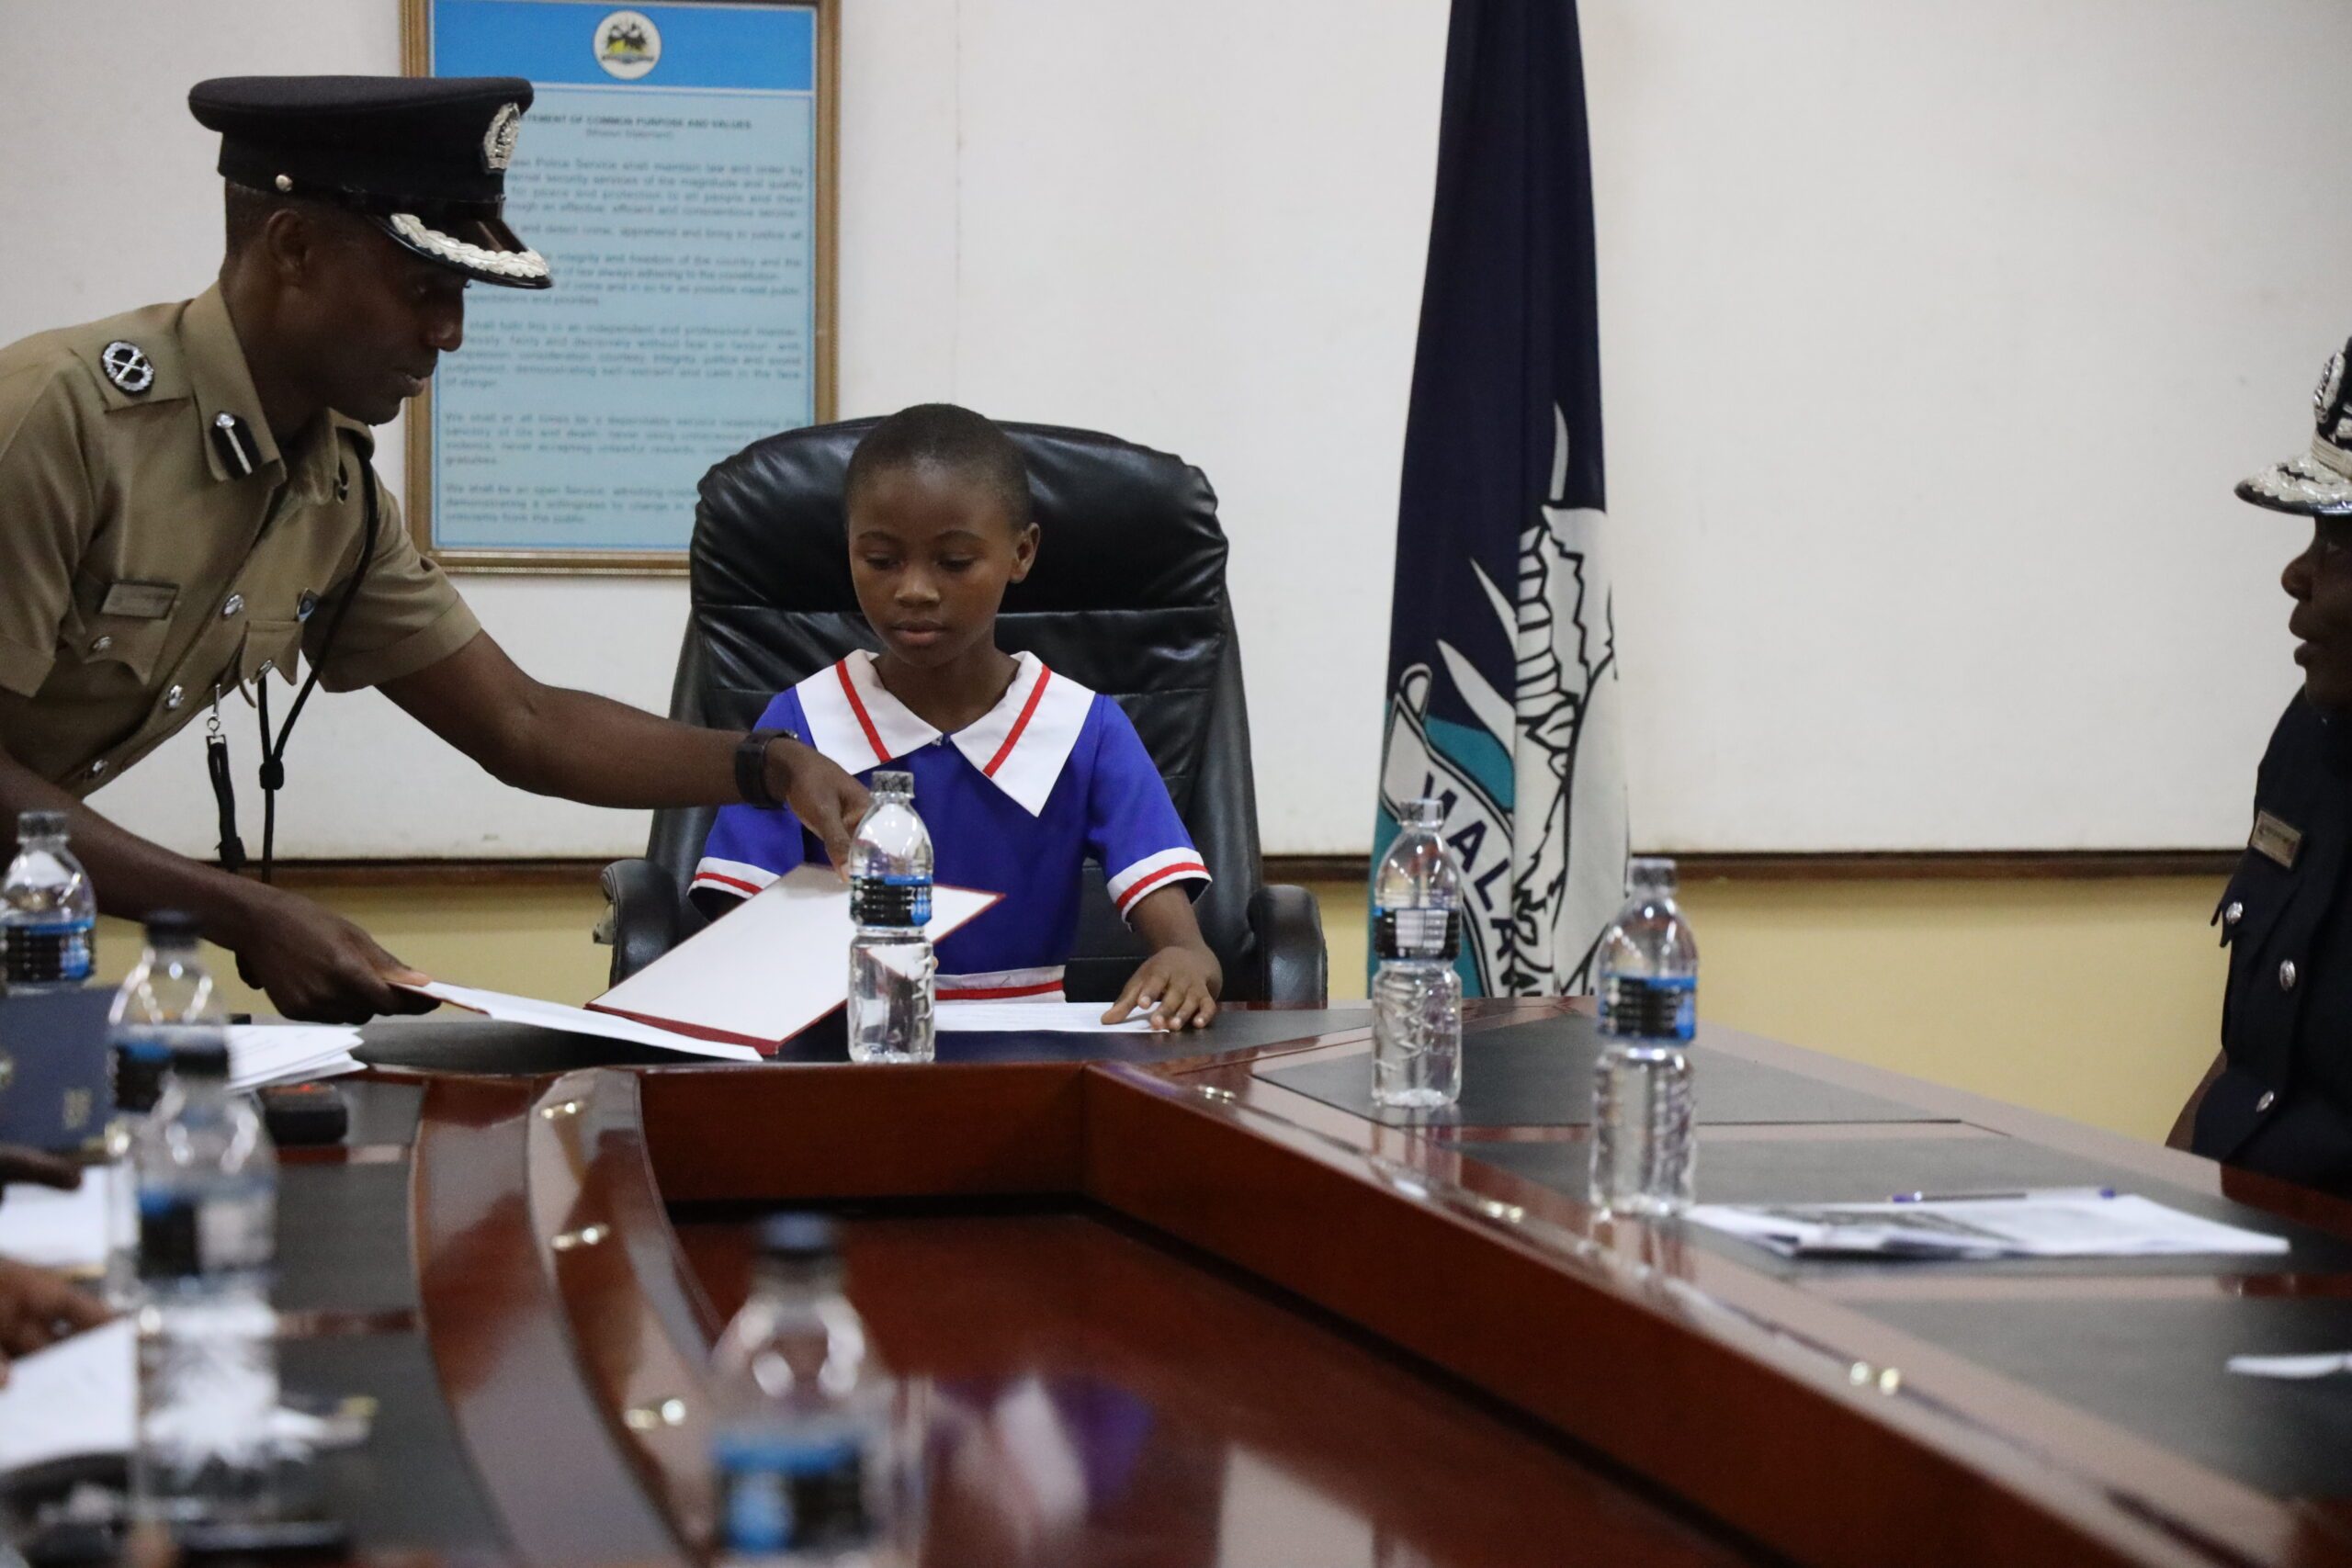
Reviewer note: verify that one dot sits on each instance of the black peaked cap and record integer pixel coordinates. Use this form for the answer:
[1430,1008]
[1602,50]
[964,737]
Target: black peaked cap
[381,142]
[424,156]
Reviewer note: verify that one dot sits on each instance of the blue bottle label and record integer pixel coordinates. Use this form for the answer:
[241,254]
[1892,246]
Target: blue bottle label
[889,901]
[1658,1008]
[782,1493]
[48,952]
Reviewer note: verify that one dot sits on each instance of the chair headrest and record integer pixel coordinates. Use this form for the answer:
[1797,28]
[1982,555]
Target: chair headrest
[1123,527]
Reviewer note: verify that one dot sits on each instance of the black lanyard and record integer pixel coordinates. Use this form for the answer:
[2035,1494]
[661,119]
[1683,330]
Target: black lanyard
[273,753]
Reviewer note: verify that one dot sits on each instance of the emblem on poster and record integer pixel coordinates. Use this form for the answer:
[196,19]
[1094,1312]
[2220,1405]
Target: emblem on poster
[627,44]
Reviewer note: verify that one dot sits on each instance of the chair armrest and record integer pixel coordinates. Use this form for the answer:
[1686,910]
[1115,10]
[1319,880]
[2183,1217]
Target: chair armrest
[641,917]
[1289,927]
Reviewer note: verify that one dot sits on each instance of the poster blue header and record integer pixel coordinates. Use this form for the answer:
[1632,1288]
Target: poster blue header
[738,47]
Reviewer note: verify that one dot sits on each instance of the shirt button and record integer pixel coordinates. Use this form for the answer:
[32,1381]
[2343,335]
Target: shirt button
[2287,975]
[173,698]
[2233,914]
[98,769]
[101,645]
[236,602]
[2269,1097]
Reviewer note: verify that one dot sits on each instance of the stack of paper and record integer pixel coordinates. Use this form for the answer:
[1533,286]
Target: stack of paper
[2067,1223]
[577,1020]
[1010,1017]
[289,1053]
[57,1230]
[2325,1364]
[771,967]
[79,1396]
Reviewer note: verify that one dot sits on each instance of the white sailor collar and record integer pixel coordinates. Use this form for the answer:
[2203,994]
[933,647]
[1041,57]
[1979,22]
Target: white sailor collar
[1021,745]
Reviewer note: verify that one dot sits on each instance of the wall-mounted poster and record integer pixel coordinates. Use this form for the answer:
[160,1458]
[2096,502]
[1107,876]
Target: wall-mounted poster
[676,170]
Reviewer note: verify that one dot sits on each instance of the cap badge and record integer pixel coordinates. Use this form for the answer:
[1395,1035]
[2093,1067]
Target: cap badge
[627,44]
[498,142]
[127,368]
[2328,412]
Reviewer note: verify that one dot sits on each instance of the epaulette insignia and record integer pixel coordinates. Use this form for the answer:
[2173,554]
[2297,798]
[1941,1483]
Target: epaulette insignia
[127,367]
[229,436]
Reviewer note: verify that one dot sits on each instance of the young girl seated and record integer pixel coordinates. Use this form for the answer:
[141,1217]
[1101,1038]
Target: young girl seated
[1021,773]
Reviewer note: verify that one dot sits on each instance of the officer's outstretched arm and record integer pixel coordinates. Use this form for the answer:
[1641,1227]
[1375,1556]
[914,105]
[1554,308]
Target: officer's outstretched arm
[315,965]
[579,746]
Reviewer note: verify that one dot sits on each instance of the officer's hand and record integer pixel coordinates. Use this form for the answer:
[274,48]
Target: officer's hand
[828,801]
[20,1163]
[39,1308]
[320,968]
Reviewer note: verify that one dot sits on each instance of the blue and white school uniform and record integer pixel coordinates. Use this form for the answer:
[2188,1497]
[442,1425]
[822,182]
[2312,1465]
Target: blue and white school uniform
[1016,802]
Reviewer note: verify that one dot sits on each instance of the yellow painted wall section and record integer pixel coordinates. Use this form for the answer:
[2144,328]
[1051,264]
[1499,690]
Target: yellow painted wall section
[2097,999]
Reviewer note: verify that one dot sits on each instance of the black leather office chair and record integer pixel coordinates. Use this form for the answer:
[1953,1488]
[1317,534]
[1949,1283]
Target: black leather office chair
[1127,597]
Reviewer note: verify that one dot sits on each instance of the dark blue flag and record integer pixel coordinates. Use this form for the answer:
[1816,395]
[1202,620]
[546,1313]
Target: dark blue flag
[1503,673]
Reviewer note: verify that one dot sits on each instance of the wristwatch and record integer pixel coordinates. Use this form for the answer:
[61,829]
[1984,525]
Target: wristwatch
[751,769]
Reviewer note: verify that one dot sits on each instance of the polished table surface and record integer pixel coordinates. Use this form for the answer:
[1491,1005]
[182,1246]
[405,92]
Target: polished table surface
[1198,1303]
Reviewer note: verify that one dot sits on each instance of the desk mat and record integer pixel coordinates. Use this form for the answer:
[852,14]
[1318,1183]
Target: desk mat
[343,1239]
[1873,1169]
[1540,1075]
[484,1046]
[2155,1368]
[409,1488]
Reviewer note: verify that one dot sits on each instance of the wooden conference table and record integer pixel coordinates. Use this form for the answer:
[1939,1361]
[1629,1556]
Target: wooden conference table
[1207,1309]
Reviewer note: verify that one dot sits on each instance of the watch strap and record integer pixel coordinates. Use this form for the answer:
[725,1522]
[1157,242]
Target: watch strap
[751,769]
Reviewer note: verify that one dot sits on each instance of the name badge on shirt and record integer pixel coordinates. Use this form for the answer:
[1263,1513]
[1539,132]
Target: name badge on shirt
[140,600]
[2273,839]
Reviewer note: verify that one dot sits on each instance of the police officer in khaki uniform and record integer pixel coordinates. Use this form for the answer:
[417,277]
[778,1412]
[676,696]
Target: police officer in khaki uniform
[2279,1099]
[187,508]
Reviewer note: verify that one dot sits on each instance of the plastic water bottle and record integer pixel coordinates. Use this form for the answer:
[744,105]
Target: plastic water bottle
[207,1357]
[1643,1156]
[892,973]
[165,1003]
[48,911]
[1416,994]
[805,1465]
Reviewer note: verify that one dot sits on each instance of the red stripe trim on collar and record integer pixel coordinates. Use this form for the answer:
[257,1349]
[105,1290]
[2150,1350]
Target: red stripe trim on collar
[726,881]
[1013,738]
[1182,868]
[864,719]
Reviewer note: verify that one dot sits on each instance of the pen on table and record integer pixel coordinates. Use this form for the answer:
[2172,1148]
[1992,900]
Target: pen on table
[1998,1197]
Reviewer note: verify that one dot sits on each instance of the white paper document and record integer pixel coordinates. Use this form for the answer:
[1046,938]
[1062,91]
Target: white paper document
[579,1021]
[2326,1363]
[289,1053]
[1008,1018]
[770,967]
[2066,1223]
[76,1397]
[80,1396]
[57,1230]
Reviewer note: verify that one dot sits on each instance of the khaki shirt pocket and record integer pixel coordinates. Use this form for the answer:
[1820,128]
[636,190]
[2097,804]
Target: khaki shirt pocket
[270,646]
[122,651]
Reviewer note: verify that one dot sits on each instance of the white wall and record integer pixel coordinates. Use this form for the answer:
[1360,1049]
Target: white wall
[1933,338]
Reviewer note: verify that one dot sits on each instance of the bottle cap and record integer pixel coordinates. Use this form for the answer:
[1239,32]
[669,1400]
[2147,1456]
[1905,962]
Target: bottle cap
[201,1059]
[891,781]
[1650,874]
[798,1237]
[32,825]
[1427,812]
[172,925]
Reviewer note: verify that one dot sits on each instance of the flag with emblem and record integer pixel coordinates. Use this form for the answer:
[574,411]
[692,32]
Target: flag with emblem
[1502,672]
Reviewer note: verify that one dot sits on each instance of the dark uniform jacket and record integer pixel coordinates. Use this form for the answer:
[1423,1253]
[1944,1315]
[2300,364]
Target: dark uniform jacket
[2283,1105]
